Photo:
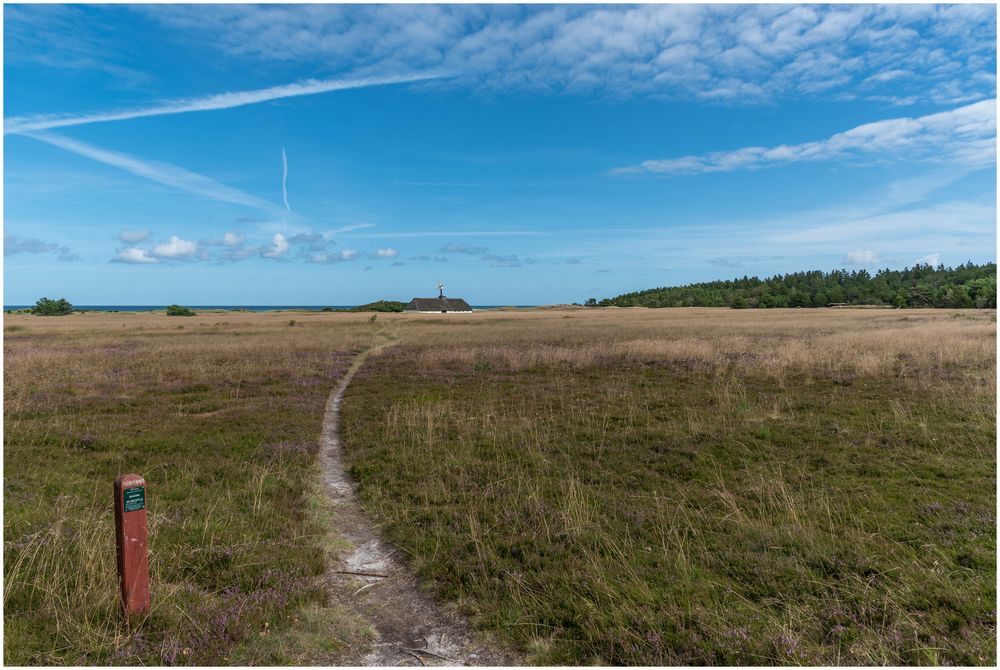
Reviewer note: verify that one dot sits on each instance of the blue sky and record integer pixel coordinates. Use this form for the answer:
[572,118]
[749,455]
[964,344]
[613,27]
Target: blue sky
[521,154]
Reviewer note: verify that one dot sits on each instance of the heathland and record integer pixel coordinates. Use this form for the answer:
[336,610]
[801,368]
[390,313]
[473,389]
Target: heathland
[620,486]
[221,414]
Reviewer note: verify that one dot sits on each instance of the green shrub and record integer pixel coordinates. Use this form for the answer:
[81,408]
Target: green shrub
[380,306]
[47,307]
[177,310]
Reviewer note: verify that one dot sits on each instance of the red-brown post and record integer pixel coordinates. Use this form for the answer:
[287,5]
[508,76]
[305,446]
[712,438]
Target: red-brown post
[132,541]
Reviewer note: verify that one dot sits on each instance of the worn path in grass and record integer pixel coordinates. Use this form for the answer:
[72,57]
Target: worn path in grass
[369,577]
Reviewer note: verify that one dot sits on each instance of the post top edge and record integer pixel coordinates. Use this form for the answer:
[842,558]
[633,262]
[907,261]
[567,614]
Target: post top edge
[130,480]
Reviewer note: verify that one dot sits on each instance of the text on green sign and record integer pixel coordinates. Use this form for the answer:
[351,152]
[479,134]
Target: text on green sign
[134,498]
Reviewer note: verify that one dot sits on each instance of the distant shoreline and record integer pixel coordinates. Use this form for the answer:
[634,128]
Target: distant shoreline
[229,308]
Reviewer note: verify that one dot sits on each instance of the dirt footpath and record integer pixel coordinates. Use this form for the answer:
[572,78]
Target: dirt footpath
[370,578]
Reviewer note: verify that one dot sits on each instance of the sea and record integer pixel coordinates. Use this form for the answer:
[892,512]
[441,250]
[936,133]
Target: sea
[231,308]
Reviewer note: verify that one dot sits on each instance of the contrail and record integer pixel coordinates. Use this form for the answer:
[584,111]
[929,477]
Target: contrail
[32,122]
[347,229]
[284,178]
[163,173]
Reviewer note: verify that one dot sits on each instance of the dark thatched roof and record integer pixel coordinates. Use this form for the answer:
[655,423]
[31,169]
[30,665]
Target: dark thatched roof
[438,305]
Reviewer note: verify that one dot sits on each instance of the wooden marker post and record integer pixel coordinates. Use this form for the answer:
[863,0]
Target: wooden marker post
[132,541]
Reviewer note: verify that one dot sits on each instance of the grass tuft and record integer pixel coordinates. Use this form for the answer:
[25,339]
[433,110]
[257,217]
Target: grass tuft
[224,429]
[695,487]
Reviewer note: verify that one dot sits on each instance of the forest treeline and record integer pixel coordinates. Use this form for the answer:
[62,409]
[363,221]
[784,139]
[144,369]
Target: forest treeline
[967,285]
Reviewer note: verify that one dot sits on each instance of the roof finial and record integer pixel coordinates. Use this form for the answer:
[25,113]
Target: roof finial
[440,289]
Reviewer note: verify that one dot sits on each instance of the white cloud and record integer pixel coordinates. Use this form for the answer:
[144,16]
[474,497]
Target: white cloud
[965,136]
[344,255]
[464,249]
[133,236]
[162,173]
[387,253]
[175,249]
[28,124]
[13,245]
[862,257]
[238,253]
[457,233]
[714,52]
[930,259]
[134,255]
[279,245]
[310,242]
[503,261]
[233,239]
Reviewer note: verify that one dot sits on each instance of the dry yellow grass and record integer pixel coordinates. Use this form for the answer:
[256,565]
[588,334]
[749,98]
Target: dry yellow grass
[510,431]
[771,342]
[695,485]
[221,414]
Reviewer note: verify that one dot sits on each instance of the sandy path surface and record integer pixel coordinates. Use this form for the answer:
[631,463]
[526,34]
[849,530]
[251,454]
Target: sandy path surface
[370,577]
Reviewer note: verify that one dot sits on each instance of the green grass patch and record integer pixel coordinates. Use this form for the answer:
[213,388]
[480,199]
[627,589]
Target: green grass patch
[225,433]
[639,514]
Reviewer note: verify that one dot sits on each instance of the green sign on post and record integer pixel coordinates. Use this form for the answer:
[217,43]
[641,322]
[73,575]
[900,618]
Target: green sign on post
[134,498]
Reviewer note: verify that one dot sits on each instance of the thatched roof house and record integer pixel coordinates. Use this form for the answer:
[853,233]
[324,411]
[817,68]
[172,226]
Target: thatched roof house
[438,305]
